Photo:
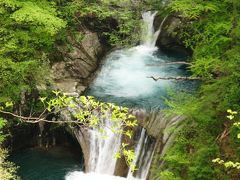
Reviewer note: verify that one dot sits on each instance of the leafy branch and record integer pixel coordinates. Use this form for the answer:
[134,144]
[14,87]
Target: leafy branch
[86,112]
[229,164]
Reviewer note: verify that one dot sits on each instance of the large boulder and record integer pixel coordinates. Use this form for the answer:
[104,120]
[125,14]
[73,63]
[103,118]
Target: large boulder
[169,27]
[80,60]
[169,38]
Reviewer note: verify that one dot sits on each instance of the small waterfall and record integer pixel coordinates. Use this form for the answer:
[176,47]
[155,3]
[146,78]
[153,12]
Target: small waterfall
[149,35]
[102,149]
[127,70]
[144,153]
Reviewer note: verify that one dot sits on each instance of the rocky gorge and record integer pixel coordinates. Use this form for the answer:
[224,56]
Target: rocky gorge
[77,72]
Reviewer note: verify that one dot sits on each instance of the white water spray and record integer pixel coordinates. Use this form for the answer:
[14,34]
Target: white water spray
[149,36]
[76,175]
[144,153]
[102,150]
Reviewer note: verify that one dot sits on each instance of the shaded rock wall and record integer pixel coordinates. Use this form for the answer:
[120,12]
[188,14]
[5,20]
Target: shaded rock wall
[169,38]
[80,60]
[160,126]
[30,136]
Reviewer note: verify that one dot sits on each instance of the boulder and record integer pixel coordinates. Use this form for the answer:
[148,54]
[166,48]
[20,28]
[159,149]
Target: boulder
[169,38]
[80,60]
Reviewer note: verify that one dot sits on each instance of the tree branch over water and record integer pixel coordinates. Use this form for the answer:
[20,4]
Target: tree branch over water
[179,78]
[170,63]
[83,111]
[33,120]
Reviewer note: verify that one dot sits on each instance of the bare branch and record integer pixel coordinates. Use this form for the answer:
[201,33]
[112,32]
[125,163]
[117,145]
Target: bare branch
[35,119]
[174,78]
[170,63]
[44,111]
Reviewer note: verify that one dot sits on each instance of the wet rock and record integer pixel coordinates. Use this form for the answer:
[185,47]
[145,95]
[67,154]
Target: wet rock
[169,38]
[156,122]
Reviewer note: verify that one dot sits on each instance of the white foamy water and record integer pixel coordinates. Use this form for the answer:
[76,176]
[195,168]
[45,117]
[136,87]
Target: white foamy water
[102,150]
[77,175]
[125,73]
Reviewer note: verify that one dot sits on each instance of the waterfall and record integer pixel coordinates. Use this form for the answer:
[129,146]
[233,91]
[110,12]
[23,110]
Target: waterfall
[102,149]
[123,80]
[123,77]
[149,35]
[100,160]
[99,144]
[144,154]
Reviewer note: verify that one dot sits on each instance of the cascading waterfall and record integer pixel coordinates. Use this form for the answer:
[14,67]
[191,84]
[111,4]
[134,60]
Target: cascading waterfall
[123,80]
[149,35]
[144,153]
[134,59]
[100,160]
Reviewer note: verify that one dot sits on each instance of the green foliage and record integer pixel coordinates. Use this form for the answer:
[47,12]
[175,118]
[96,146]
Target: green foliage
[129,155]
[103,15]
[3,122]
[229,164]
[211,30]
[193,9]
[7,169]
[167,175]
[16,77]
[27,27]
[89,112]
[194,146]
[28,30]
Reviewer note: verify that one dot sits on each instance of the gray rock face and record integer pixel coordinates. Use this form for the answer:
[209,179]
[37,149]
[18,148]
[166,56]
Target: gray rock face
[84,140]
[157,123]
[162,128]
[168,37]
[80,60]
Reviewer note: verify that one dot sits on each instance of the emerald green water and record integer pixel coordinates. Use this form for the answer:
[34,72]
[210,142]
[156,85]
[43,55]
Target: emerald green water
[52,164]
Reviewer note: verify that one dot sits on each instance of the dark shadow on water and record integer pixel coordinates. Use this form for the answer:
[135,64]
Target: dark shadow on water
[51,164]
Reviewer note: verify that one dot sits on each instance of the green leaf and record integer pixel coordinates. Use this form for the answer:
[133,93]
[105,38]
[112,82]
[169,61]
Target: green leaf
[9,104]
